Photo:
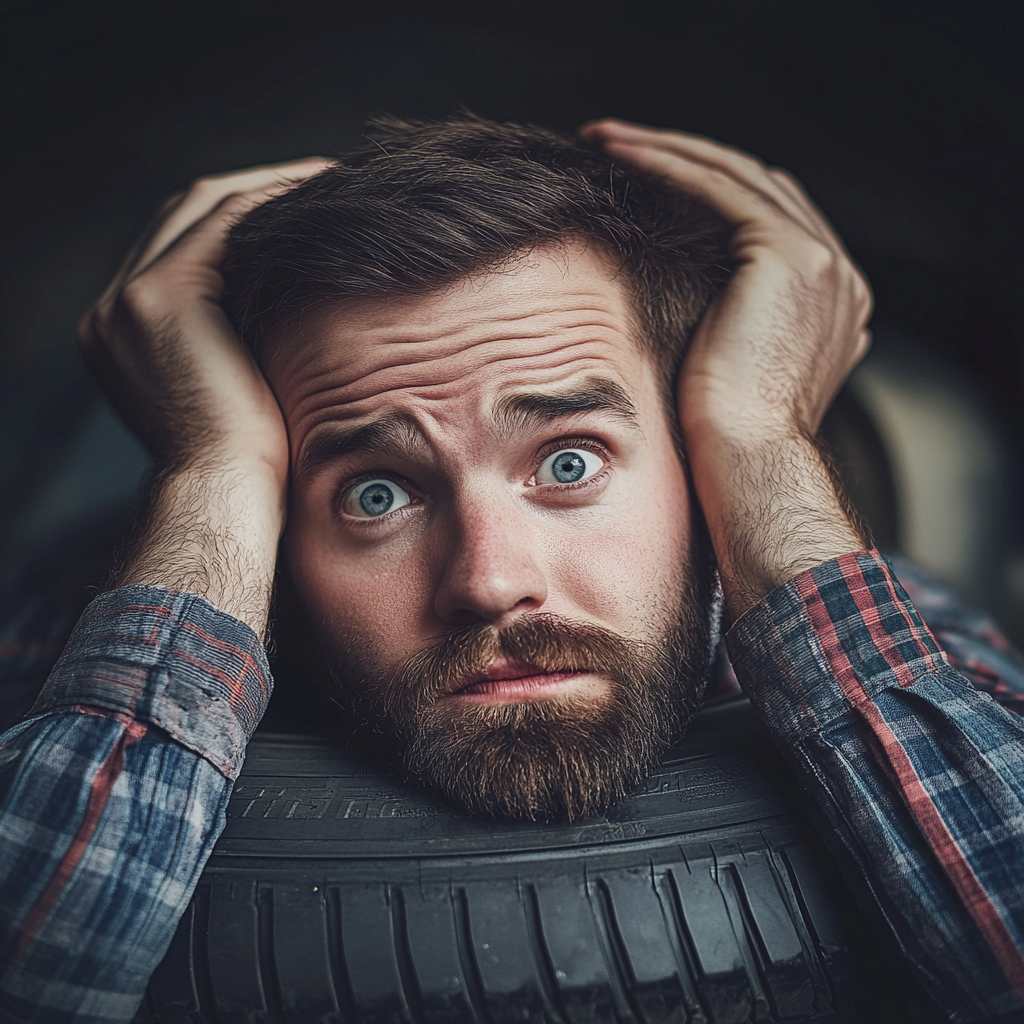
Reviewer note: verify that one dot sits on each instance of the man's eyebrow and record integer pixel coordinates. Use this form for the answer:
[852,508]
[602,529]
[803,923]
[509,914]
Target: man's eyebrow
[515,413]
[389,433]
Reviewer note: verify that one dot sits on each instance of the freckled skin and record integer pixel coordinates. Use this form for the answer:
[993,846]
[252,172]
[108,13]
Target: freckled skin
[483,540]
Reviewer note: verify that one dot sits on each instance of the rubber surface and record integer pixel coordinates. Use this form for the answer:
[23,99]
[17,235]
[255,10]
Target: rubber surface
[337,895]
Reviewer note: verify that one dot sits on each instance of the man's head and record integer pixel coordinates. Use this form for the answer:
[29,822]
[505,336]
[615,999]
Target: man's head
[470,329]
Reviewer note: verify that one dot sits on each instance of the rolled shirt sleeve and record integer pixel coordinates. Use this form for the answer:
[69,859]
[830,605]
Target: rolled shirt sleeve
[112,795]
[909,769]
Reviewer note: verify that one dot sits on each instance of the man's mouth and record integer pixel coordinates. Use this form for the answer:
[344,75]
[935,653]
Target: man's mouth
[508,681]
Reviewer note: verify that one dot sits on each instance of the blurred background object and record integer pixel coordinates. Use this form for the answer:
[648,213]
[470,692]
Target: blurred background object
[903,119]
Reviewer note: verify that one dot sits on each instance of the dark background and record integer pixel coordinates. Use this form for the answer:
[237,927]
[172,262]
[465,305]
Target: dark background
[903,119]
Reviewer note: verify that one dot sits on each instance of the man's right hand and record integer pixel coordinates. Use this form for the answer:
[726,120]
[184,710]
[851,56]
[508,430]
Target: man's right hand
[172,366]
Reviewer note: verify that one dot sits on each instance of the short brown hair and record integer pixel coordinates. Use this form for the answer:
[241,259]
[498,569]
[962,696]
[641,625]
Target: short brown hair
[426,203]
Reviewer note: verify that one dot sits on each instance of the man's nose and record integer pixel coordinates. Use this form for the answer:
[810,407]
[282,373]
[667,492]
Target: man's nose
[491,572]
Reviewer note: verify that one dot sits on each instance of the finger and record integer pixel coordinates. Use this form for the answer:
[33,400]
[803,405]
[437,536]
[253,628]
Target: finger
[747,169]
[862,346]
[201,245]
[206,194]
[792,185]
[743,165]
[599,128]
[187,207]
[191,260]
[735,201]
[752,173]
[132,258]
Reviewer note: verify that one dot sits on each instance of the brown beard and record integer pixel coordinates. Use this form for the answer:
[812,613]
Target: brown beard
[559,758]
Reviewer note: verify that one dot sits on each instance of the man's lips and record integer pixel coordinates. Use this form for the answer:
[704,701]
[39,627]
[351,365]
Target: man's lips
[515,680]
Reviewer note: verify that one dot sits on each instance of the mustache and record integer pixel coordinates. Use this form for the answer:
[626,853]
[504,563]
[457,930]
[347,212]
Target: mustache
[546,642]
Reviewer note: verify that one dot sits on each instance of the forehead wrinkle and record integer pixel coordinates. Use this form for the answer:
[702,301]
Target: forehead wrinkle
[443,339]
[366,383]
[517,413]
[394,432]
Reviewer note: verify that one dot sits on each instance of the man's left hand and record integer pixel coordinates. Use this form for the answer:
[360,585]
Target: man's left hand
[764,364]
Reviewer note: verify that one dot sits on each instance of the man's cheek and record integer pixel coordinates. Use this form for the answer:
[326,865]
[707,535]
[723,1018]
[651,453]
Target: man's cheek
[616,570]
[375,595]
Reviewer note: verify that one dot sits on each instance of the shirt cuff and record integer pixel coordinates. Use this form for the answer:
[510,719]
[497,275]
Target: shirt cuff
[830,640]
[171,659]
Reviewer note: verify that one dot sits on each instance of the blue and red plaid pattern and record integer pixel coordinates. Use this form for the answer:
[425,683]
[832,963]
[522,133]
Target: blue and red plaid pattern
[112,792]
[914,774]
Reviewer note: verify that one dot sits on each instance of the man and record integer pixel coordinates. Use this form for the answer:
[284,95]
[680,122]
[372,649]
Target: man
[494,535]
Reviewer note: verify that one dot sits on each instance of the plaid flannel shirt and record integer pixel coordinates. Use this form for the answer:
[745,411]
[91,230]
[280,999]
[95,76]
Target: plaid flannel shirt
[113,789]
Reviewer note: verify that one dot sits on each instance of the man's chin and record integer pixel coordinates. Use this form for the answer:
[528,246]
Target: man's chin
[563,759]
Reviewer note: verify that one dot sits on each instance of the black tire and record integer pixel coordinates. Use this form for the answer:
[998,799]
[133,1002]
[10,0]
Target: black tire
[338,895]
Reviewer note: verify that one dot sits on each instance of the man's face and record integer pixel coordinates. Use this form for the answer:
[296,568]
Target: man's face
[490,529]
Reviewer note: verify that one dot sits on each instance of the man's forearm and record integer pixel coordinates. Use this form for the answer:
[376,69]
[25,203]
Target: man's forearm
[772,509]
[213,531]
[156,695]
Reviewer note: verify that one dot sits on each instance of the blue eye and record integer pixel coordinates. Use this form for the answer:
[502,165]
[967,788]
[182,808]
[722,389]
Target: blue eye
[569,466]
[374,498]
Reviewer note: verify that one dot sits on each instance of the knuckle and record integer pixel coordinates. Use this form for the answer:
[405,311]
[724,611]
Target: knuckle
[756,164]
[821,260]
[235,206]
[860,292]
[784,177]
[719,179]
[137,298]
[236,202]
[747,161]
